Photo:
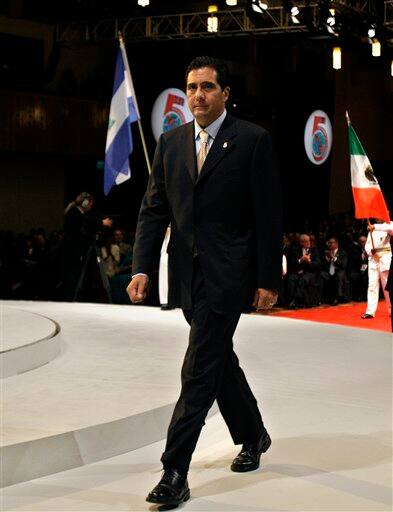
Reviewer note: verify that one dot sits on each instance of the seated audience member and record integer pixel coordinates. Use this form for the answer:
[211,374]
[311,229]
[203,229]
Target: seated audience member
[358,269]
[125,248]
[303,275]
[110,253]
[334,273]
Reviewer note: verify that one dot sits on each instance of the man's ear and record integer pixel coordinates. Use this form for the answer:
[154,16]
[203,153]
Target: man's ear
[226,93]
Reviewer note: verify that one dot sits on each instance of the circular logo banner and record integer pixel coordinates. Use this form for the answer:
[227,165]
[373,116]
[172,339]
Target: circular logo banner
[169,111]
[318,137]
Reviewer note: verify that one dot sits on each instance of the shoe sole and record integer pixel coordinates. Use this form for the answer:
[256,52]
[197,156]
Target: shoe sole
[253,467]
[174,501]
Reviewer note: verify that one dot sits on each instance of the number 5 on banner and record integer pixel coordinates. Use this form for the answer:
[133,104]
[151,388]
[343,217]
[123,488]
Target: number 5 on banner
[171,103]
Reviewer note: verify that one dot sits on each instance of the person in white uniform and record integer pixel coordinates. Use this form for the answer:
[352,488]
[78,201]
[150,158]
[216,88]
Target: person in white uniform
[379,257]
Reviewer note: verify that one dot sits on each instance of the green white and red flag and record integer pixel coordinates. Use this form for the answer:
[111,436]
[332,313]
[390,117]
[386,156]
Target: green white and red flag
[367,194]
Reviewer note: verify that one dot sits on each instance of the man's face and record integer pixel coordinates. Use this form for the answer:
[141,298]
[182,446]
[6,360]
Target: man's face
[205,97]
[118,236]
[90,205]
[332,244]
[362,241]
[305,242]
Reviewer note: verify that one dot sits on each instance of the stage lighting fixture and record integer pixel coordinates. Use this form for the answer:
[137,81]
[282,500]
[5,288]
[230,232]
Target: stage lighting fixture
[331,21]
[294,15]
[212,24]
[292,10]
[371,32]
[231,3]
[212,21]
[143,3]
[336,57]
[391,68]
[376,48]
[258,6]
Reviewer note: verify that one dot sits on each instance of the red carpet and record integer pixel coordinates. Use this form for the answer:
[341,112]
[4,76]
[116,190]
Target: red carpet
[344,314]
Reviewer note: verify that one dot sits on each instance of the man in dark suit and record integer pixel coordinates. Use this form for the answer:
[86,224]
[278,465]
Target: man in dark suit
[304,268]
[215,180]
[334,273]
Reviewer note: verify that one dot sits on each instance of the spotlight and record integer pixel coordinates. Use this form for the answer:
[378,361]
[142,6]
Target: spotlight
[336,57]
[292,10]
[376,48]
[371,32]
[294,15]
[331,21]
[232,3]
[212,24]
[143,3]
[259,6]
[212,21]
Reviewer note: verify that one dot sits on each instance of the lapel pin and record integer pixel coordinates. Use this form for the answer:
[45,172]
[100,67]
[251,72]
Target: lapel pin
[225,145]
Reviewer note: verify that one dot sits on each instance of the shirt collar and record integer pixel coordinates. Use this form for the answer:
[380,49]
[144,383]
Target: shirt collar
[213,128]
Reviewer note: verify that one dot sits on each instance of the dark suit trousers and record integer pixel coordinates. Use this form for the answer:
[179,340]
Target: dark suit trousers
[210,371]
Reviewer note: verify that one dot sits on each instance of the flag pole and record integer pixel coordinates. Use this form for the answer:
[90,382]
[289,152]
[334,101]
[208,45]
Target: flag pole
[121,41]
[368,220]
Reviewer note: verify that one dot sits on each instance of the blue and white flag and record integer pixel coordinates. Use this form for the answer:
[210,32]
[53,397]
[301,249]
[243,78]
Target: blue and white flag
[123,112]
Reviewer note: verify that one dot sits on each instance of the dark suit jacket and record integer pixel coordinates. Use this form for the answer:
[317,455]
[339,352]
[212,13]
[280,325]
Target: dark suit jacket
[355,260]
[230,214]
[340,264]
[295,267]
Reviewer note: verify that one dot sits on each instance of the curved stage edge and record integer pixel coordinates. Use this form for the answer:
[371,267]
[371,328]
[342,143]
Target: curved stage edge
[28,341]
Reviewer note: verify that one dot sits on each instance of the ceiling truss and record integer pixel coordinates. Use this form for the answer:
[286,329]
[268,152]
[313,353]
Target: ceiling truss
[234,22]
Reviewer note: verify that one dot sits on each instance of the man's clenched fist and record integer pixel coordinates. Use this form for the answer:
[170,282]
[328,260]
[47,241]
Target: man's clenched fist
[137,288]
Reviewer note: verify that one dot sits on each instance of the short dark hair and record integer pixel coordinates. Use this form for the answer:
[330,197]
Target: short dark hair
[223,77]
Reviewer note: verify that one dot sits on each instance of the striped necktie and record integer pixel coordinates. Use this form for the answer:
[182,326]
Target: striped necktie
[204,149]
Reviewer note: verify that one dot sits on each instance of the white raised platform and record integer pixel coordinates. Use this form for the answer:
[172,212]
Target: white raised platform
[27,341]
[325,392]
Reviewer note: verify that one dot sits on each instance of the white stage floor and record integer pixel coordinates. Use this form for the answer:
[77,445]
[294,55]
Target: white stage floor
[325,392]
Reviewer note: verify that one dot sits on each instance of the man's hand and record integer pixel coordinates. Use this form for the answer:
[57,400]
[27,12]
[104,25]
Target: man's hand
[137,289]
[370,226]
[264,299]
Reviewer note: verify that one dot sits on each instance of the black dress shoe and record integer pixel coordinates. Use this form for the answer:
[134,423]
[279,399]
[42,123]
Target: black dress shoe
[366,316]
[250,454]
[172,489]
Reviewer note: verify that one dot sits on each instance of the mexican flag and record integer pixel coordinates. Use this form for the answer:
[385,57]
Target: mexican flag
[367,195]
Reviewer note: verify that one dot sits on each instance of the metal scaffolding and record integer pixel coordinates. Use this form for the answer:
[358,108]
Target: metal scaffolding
[388,14]
[231,22]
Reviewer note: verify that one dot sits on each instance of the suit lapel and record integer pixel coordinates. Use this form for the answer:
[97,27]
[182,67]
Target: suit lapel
[189,153]
[222,146]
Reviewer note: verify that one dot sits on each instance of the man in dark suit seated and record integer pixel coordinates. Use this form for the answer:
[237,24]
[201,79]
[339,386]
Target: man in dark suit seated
[303,275]
[358,269]
[215,181]
[334,274]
